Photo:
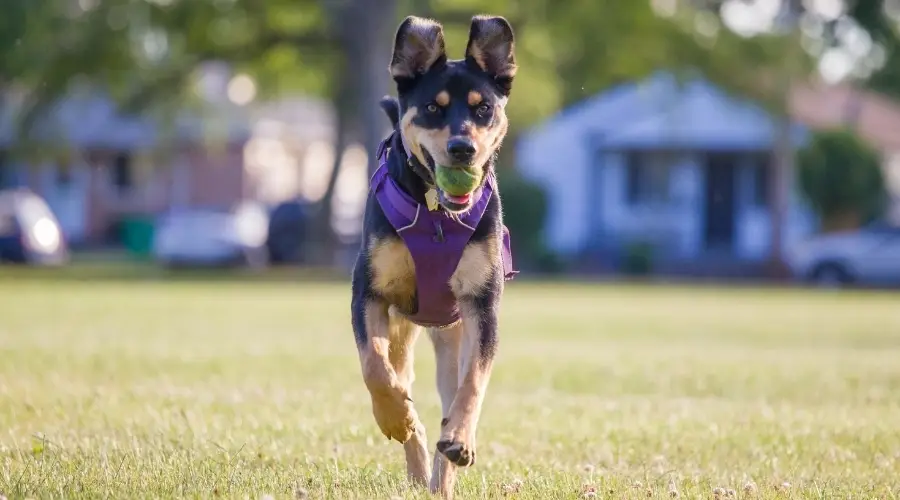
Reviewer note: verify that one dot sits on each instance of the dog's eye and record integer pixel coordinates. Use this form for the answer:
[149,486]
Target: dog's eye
[432,108]
[482,109]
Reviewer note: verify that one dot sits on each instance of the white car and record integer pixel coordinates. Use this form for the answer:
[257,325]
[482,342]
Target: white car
[866,256]
[207,237]
[29,230]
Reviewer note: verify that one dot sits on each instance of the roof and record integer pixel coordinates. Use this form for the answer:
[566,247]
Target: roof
[701,116]
[661,112]
[875,117]
[90,119]
[598,111]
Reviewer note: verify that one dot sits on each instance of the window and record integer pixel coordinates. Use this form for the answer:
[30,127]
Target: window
[7,224]
[762,175]
[5,171]
[63,172]
[7,215]
[122,174]
[648,176]
[882,227]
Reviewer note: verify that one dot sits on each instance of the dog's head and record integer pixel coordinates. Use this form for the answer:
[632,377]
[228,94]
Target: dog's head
[452,112]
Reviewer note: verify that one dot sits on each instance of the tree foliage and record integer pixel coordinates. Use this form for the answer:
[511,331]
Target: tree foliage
[145,51]
[879,34]
[842,178]
[525,213]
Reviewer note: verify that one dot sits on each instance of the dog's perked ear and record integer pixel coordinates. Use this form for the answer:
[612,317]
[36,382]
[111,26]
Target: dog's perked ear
[491,48]
[392,109]
[418,47]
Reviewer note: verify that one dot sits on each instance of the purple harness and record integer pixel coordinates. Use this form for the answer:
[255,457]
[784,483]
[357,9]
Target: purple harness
[436,242]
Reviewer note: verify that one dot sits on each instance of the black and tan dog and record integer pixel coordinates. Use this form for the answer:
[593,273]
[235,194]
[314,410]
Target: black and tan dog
[430,258]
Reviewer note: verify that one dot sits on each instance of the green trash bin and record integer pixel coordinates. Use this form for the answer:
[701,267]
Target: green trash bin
[137,234]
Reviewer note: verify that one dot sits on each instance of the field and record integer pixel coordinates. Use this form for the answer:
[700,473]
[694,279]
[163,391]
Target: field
[252,389]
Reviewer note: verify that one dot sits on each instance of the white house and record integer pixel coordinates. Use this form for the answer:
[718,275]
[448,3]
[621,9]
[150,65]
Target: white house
[680,165]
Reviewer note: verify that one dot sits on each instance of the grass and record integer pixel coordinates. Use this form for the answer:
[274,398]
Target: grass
[201,389]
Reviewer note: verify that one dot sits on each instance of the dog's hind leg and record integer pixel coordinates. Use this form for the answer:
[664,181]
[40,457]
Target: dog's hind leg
[446,354]
[402,341]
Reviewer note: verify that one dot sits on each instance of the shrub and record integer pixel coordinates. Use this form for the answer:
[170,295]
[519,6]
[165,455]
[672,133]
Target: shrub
[638,258]
[525,213]
[842,179]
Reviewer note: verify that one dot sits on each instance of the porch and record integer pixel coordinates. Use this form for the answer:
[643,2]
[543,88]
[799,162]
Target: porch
[707,208]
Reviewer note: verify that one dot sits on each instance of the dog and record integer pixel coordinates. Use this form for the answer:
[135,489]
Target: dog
[429,259]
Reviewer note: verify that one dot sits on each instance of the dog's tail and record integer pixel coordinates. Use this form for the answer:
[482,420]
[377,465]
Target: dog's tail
[391,107]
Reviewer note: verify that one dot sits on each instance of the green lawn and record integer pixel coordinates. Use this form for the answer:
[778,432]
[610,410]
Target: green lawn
[155,389]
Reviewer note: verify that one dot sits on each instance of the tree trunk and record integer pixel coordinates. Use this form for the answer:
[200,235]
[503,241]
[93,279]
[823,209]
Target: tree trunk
[780,193]
[365,37]
[322,242]
[372,42]
[843,221]
[782,180]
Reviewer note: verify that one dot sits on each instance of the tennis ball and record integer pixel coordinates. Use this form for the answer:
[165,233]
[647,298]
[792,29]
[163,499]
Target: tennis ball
[457,181]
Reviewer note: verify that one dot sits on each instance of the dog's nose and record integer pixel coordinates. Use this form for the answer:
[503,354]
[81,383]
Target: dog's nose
[461,149]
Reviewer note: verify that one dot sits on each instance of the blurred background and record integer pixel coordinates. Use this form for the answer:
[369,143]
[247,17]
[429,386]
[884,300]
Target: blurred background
[731,139]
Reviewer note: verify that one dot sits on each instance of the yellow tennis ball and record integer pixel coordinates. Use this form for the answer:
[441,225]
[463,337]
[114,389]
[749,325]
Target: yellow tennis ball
[457,181]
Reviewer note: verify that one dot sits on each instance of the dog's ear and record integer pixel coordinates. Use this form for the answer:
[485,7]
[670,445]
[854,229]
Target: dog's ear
[391,107]
[418,47]
[492,49]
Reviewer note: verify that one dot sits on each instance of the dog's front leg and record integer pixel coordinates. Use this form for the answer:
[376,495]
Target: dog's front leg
[391,402]
[446,354]
[476,356]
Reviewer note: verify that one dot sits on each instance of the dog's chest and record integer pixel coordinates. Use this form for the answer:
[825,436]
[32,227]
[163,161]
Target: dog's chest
[394,271]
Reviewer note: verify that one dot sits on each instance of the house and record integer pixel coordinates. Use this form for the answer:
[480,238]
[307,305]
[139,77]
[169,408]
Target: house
[681,166]
[106,166]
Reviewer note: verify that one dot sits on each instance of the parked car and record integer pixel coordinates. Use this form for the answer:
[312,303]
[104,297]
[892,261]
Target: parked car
[29,231]
[204,237]
[866,256]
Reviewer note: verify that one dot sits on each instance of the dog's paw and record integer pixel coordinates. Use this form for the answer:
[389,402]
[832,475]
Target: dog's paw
[457,447]
[394,414]
[391,404]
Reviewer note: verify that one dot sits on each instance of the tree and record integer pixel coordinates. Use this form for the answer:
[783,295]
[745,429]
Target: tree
[145,54]
[841,176]
[357,85]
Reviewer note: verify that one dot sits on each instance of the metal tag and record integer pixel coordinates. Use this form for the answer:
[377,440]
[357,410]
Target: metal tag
[431,199]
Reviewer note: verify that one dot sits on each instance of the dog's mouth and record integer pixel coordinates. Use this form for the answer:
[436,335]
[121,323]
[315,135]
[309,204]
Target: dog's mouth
[451,202]
[455,203]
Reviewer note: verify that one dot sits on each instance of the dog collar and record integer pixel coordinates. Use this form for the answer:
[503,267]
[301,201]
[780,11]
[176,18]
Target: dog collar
[431,196]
